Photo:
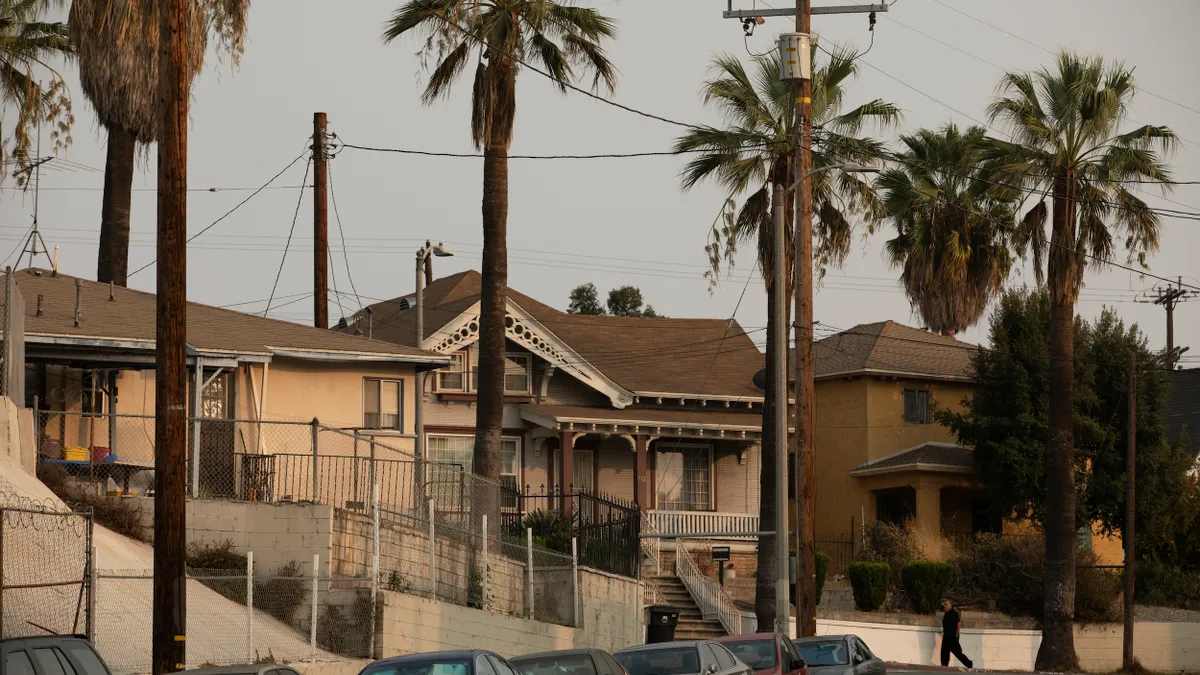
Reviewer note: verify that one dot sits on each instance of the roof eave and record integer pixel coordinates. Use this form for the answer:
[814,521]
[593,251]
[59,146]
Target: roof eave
[893,373]
[913,466]
[433,360]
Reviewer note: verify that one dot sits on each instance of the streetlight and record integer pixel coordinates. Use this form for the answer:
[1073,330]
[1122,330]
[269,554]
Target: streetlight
[440,251]
[779,374]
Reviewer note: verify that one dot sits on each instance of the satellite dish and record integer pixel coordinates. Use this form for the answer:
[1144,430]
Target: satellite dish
[760,379]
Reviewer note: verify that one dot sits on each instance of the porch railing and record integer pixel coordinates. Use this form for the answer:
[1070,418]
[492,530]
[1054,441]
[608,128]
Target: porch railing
[696,522]
[650,545]
[708,594]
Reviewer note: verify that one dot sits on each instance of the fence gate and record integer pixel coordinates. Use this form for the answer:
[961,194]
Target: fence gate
[46,586]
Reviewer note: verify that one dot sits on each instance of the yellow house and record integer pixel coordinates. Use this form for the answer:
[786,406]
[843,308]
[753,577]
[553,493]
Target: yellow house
[879,453]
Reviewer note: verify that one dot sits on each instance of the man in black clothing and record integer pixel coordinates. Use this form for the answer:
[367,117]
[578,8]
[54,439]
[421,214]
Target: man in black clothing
[951,627]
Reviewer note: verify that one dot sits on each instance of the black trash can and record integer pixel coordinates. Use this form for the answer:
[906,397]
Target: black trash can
[663,619]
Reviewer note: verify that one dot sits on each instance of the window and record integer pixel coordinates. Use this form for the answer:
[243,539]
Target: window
[684,477]
[724,658]
[916,406]
[516,374]
[86,657]
[708,657]
[454,376]
[383,403]
[483,666]
[18,663]
[49,662]
[458,451]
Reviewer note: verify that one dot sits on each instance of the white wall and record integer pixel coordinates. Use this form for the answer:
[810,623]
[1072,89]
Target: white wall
[1160,647]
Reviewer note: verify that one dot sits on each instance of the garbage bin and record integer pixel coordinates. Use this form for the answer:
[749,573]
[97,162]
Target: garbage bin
[663,619]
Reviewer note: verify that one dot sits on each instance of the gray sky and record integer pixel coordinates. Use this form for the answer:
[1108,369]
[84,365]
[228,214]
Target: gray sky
[610,222]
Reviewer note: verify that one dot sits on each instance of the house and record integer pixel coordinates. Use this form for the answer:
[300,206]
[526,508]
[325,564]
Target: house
[89,373]
[1182,417]
[879,453]
[659,412]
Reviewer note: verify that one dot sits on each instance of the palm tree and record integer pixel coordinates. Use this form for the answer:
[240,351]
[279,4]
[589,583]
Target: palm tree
[117,46]
[750,158]
[500,36]
[27,45]
[952,229]
[1067,146]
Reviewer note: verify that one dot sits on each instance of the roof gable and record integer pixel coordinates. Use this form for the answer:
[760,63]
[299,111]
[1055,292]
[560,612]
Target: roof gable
[893,348]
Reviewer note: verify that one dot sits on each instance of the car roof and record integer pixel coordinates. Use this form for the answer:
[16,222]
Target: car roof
[40,639]
[244,669]
[452,654]
[559,652]
[749,637]
[661,645]
[823,638]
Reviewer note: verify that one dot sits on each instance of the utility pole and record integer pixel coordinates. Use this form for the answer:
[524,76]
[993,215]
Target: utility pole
[1168,298]
[780,400]
[320,223]
[170,405]
[1127,659]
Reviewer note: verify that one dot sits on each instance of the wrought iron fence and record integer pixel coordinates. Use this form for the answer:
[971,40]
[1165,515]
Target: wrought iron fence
[607,528]
[840,549]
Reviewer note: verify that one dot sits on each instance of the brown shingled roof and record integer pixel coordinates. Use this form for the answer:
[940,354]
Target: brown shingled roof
[693,357]
[890,347]
[932,455]
[131,316]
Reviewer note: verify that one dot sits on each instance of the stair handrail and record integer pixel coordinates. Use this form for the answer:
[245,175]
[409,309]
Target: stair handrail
[650,545]
[710,597]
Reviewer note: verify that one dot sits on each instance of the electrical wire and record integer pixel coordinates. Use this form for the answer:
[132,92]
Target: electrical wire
[342,234]
[295,216]
[477,155]
[240,204]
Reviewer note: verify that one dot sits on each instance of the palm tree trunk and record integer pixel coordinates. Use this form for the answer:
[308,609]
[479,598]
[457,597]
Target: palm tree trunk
[113,258]
[490,411]
[1057,651]
[768,568]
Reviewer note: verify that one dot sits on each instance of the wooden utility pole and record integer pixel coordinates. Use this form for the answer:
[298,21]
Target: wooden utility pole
[1168,298]
[170,405]
[1127,659]
[320,224]
[806,564]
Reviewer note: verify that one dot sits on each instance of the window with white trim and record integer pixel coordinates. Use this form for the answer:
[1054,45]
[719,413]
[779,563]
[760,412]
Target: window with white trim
[458,451]
[454,376]
[683,474]
[517,377]
[383,404]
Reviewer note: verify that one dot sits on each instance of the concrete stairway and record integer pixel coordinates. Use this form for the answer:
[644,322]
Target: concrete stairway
[692,625]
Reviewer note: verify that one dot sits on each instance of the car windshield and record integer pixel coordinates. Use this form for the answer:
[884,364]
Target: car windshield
[824,652]
[421,667]
[566,664]
[677,661]
[758,654]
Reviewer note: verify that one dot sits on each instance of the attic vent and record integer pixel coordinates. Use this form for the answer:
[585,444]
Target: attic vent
[341,324]
[404,304]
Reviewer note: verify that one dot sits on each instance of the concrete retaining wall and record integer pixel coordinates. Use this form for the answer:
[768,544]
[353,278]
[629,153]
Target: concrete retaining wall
[1161,647]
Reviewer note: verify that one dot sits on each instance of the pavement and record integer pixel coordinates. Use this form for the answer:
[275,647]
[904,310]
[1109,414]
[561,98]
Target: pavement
[922,669]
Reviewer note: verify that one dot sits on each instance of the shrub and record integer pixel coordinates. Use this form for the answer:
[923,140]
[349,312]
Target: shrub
[895,545]
[218,560]
[282,593]
[121,515]
[870,582]
[926,583]
[1096,591]
[550,530]
[1158,583]
[822,571]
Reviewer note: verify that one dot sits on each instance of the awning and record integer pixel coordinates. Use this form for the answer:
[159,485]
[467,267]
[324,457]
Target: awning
[713,421]
[929,457]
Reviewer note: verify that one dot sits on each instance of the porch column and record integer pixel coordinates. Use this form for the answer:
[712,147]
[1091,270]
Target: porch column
[929,509]
[641,482]
[567,477]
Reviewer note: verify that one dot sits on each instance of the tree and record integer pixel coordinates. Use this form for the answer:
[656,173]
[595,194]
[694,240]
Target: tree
[498,35]
[1067,145]
[1006,422]
[627,301]
[27,45]
[750,158]
[585,300]
[952,230]
[117,46]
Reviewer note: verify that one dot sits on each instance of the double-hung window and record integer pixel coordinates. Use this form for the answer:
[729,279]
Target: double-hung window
[917,406]
[516,374]
[455,455]
[683,475]
[454,376]
[383,404]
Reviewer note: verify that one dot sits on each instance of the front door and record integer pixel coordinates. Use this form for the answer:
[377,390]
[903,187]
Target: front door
[217,437]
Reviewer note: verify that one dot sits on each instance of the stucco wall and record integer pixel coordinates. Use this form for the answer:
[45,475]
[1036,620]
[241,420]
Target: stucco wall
[841,445]
[887,432]
[1160,647]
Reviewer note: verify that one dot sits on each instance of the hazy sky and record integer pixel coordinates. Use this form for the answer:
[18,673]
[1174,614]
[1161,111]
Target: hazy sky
[610,222]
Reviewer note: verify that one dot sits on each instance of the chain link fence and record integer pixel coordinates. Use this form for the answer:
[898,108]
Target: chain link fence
[45,555]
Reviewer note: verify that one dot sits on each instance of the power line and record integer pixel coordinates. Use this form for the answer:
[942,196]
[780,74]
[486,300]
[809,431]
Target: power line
[342,233]
[235,208]
[155,190]
[295,216]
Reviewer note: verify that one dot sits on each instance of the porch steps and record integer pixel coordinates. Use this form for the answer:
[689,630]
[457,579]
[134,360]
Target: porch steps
[692,624]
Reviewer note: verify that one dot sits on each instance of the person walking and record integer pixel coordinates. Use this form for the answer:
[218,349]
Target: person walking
[951,630]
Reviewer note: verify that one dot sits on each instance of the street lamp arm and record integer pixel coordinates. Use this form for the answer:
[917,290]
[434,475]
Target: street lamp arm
[847,167]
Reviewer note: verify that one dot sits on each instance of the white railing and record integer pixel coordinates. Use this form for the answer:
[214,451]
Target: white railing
[708,594]
[650,545]
[699,522]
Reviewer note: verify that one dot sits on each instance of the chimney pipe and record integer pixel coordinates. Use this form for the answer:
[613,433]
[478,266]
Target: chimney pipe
[39,305]
[110,292]
[55,271]
[78,299]
[370,324]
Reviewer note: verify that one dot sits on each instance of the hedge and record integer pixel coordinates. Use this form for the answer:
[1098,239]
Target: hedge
[926,582]
[870,582]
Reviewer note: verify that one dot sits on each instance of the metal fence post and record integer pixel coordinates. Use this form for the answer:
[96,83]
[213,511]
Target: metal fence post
[316,441]
[575,581]
[197,398]
[3,517]
[529,569]
[355,470]
[485,563]
[433,575]
[374,567]
[250,607]
[90,622]
[316,575]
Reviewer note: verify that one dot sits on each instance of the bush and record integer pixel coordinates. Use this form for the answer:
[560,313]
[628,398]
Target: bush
[1158,583]
[218,560]
[550,530]
[1096,591]
[884,542]
[926,583]
[121,515]
[870,582]
[822,570]
[282,593]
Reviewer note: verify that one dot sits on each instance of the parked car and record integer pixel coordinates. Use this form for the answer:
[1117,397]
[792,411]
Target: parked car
[246,669]
[702,657]
[569,662]
[471,662]
[766,653]
[48,654]
[839,655]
